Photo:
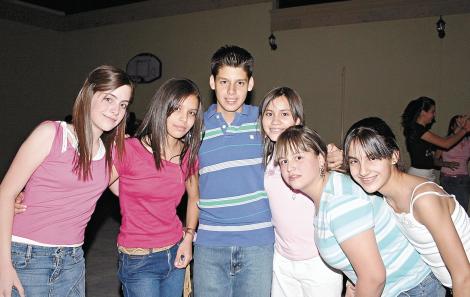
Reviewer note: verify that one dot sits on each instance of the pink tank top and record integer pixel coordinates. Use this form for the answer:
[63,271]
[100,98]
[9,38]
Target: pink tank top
[59,204]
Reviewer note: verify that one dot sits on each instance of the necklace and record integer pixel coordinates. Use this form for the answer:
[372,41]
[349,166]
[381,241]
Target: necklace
[294,195]
[174,152]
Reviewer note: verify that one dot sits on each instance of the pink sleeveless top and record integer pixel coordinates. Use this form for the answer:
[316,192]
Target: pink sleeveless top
[59,204]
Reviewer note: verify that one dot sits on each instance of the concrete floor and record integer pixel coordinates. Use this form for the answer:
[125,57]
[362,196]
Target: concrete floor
[100,249]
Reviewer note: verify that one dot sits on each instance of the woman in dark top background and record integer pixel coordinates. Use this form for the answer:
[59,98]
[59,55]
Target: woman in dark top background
[417,119]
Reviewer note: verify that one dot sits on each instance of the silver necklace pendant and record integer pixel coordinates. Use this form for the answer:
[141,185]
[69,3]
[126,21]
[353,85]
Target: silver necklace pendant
[294,195]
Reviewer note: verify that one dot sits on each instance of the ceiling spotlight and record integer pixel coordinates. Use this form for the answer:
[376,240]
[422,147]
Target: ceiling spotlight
[441,27]
[272,42]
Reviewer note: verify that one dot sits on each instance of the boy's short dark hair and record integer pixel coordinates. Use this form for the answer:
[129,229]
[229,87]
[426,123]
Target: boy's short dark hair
[233,56]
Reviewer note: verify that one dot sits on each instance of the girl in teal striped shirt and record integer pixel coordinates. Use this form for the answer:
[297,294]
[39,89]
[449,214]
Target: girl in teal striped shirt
[354,232]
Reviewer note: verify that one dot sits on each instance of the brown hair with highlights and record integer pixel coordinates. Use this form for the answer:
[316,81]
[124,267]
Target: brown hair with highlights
[104,78]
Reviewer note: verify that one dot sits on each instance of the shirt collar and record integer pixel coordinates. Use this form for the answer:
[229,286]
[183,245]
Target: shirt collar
[212,110]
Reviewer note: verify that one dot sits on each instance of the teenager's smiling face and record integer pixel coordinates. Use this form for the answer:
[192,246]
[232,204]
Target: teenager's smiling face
[231,85]
[277,117]
[109,107]
[182,119]
[371,174]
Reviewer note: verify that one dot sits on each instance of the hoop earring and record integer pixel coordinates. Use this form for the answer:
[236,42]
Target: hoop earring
[322,171]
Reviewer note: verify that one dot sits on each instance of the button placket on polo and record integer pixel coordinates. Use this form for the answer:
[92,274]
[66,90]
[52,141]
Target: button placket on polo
[222,124]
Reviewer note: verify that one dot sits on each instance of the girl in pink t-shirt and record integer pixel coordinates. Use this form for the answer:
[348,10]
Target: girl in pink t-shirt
[298,270]
[64,168]
[158,166]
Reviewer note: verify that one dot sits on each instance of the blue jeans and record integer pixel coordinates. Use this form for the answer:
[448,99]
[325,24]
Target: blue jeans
[151,275]
[233,271]
[429,287]
[459,186]
[49,271]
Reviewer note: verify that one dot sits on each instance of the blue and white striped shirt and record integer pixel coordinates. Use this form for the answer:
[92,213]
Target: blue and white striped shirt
[345,211]
[233,206]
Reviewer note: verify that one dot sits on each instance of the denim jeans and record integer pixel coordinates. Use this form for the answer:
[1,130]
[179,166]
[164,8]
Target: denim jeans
[233,271]
[151,275]
[429,287]
[459,186]
[49,271]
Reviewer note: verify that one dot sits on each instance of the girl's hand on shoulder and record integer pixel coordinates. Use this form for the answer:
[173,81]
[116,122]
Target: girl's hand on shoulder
[184,255]
[334,157]
[8,280]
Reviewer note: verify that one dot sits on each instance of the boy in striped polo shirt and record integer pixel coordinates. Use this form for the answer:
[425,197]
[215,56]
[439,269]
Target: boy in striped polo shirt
[234,247]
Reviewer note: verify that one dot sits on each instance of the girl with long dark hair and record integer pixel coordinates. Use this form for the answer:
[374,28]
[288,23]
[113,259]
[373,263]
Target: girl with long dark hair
[159,165]
[417,120]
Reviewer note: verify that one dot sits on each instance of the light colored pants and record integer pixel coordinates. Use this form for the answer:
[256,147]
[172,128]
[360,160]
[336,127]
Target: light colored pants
[429,287]
[429,174]
[305,278]
[232,271]
[49,271]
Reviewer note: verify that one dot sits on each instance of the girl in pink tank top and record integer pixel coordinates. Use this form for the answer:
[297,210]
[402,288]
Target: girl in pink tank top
[64,169]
